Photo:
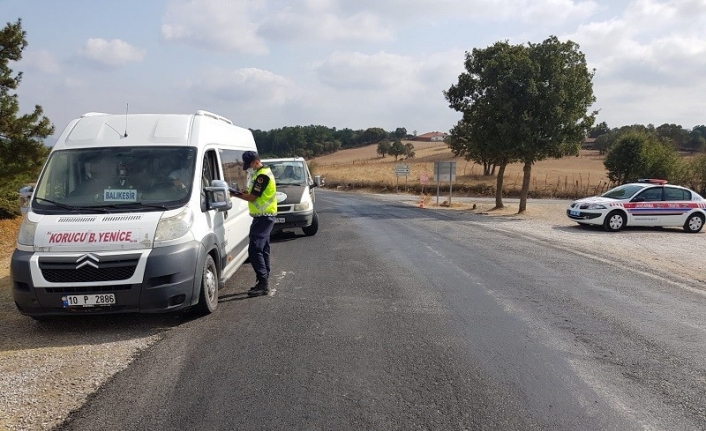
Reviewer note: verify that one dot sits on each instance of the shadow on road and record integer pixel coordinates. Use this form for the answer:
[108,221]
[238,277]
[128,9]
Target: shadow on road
[19,332]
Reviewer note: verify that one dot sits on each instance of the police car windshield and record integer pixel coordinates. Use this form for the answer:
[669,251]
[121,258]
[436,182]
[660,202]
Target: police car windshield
[625,191]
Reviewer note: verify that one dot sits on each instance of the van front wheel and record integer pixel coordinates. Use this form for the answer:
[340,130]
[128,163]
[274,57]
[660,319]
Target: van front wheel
[313,227]
[208,297]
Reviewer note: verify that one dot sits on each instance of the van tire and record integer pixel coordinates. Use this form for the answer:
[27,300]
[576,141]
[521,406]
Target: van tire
[208,294]
[313,227]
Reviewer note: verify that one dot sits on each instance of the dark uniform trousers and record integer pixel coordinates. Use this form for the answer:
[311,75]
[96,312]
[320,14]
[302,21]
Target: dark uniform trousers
[259,248]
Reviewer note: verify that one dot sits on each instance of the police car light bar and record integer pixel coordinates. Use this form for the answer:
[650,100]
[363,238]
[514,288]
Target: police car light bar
[652,181]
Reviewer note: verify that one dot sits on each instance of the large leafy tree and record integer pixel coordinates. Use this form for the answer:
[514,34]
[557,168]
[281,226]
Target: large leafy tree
[486,95]
[22,149]
[559,95]
[526,103]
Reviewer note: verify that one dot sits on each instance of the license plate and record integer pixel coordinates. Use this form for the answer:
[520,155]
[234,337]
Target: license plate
[575,212]
[90,300]
[279,220]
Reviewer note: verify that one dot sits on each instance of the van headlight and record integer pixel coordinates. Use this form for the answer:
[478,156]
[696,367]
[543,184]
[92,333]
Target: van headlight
[302,206]
[26,234]
[174,227]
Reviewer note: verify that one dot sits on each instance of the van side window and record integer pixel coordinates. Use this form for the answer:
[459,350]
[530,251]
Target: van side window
[210,168]
[232,164]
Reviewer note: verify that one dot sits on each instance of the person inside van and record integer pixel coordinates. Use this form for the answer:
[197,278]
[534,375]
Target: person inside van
[95,179]
[179,179]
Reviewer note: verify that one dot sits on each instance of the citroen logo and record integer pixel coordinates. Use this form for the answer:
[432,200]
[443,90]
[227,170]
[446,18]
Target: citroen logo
[87,259]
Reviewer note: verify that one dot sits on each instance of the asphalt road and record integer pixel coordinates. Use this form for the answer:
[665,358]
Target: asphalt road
[399,318]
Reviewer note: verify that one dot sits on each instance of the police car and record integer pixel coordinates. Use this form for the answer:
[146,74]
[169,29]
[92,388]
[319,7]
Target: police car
[647,202]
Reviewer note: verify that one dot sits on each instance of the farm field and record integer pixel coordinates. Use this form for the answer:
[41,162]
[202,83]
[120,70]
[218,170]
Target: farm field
[569,177]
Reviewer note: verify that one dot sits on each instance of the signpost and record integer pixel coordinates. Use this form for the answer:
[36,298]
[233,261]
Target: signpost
[401,170]
[444,171]
[424,180]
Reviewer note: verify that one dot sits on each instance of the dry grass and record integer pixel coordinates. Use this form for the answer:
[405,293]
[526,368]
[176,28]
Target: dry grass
[8,238]
[568,177]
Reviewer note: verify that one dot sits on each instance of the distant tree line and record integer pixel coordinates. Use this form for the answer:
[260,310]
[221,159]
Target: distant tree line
[314,141]
[692,141]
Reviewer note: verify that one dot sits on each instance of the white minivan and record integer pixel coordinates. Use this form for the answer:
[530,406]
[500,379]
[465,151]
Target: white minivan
[295,195]
[131,213]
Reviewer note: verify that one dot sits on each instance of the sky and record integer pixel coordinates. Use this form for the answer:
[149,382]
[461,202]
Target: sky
[356,64]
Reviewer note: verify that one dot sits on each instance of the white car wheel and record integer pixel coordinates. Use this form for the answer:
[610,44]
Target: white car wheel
[694,223]
[614,221]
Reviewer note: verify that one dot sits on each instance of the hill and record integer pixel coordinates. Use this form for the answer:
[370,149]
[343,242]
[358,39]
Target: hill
[362,167]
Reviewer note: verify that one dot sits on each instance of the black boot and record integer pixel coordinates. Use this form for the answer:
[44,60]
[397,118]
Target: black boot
[261,288]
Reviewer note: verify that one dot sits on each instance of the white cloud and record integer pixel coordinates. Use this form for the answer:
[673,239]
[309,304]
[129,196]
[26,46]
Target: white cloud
[354,71]
[390,73]
[248,26]
[246,87]
[73,83]
[214,24]
[114,52]
[41,60]
[648,60]
[320,24]
[496,10]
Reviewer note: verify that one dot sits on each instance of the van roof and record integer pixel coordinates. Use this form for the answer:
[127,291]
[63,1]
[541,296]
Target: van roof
[95,129]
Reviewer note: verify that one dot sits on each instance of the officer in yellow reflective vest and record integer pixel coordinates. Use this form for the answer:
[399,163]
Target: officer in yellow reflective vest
[262,204]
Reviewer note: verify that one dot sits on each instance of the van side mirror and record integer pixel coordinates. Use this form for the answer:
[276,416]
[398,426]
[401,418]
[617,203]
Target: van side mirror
[217,196]
[25,197]
[318,181]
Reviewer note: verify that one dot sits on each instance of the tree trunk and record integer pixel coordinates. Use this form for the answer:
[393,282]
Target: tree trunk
[486,169]
[492,169]
[527,169]
[499,187]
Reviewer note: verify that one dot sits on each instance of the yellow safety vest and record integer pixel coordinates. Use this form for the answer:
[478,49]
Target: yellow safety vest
[266,203]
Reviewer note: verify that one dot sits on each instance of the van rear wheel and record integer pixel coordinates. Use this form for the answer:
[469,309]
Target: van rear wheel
[313,227]
[208,296]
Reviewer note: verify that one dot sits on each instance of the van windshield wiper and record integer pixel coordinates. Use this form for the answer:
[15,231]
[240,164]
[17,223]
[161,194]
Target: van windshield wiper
[69,207]
[137,205]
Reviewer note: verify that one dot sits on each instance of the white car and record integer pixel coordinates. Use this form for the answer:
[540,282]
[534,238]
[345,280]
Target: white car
[645,203]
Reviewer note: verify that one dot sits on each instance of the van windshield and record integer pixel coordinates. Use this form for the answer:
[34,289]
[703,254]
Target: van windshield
[288,173]
[116,179]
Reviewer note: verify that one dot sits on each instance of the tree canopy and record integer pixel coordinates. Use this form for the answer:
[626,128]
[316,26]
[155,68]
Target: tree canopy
[523,103]
[637,154]
[22,149]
